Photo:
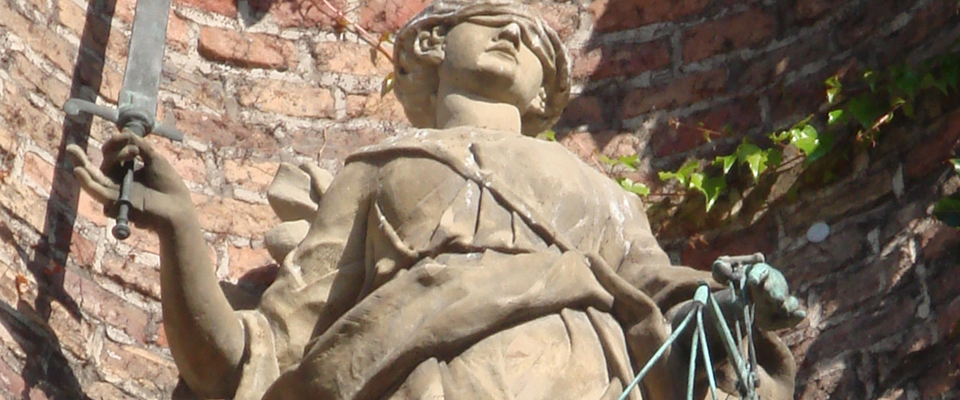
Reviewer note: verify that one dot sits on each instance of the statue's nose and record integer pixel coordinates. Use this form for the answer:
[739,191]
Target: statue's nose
[510,33]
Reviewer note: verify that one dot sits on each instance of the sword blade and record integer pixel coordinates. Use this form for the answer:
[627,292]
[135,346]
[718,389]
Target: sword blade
[141,79]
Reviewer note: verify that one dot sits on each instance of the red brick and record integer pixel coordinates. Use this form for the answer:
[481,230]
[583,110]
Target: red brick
[289,98]
[616,15]
[811,10]
[221,131]
[185,161]
[178,33]
[253,175]
[630,59]
[40,38]
[582,110]
[137,276]
[388,15]
[564,18]
[223,7]
[383,108]
[24,203]
[760,237]
[350,58]
[336,142]
[733,118]
[928,22]
[38,170]
[731,33]
[105,306]
[23,117]
[300,13]
[585,62]
[24,72]
[224,215]
[859,24]
[148,371]
[246,259]
[933,153]
[679,93]
[250,50]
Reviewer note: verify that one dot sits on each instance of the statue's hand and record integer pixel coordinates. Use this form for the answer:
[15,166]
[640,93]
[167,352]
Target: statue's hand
[775,307]
[158,194]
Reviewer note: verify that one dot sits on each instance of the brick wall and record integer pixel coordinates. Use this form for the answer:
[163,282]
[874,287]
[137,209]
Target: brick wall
[256,82]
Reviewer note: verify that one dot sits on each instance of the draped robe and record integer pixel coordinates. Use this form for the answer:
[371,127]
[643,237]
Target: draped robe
[475,264]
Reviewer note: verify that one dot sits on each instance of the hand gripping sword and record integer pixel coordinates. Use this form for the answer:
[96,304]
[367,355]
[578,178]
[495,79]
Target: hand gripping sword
[138,96]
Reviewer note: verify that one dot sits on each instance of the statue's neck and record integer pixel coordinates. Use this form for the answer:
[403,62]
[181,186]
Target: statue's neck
[456,109]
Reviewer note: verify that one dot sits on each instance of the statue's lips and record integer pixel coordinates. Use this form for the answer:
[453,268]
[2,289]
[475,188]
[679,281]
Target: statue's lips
[504,48]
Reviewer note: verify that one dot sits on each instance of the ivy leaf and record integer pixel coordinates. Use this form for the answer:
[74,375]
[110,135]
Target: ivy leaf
[774,157]
[833,88]
[726,162]
[709,187]
[826,144]
[631,161]
[864,110]
[607,160]
[682,175]
[956,165]
[754,157]
[872,78]
[950,67]
[634,187]
[548,135]
[908,81]
[806,139]
[835,116]
[387,85]
[947,210]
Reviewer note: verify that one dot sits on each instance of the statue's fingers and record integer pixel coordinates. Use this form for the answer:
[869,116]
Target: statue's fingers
[103,193]
[80,160]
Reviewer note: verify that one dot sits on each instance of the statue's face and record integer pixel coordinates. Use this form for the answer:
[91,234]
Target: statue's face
[489,57]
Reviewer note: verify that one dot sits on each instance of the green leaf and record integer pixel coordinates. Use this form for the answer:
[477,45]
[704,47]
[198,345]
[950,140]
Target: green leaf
[711,188]
[908,81]
[634,187]
[548,135]
[947,210]
[631,161]
[607,160]
[754,157]
[726,162]
[928,81]
[864,109]
[827,141]
[956,165]
[774,157]
[950,68]
[872,78]
[387,85]
[682,175]
[806,139]
[835,116]
[833,88]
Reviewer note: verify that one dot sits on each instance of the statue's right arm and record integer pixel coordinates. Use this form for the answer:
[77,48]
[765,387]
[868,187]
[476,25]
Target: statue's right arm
[205,335]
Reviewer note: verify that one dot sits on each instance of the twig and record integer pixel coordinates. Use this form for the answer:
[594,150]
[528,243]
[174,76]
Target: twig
[343,22]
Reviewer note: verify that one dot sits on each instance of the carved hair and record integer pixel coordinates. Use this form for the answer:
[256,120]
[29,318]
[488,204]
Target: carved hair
[416,77]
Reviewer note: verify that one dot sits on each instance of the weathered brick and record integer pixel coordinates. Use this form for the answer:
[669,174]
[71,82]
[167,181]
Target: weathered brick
[301,13]
[224,215]
[223,7]
[932,154]
[336,142]
[383,108]
[582,110]
[37,169]
[857,26]
[105,306]
[150,372]
[735,32]
[23,71]
[246,259]
[732,118]
[350,58]
[185,161]
[759,237]
[253,175]
[24,203]
[564,18]
[630,59]
[178,33]
[928,22]
[222,131]
[40,38]
[616,15]
[811,10]
[680,92]
[289,98]
[137,276]
[585,61]
[250,50]
[388,15]
[97,35]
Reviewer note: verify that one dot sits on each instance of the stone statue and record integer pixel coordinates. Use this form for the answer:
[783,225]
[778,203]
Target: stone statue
[466,260]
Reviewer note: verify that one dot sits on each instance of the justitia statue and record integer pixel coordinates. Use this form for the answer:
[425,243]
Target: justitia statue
[466,260]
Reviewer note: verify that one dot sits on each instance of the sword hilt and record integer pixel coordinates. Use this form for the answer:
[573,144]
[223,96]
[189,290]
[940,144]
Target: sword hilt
[128,118]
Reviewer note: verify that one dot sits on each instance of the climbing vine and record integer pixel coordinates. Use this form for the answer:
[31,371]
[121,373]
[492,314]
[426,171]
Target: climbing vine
[863,104]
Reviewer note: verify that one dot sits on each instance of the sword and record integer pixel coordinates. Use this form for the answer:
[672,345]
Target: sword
[138,96]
